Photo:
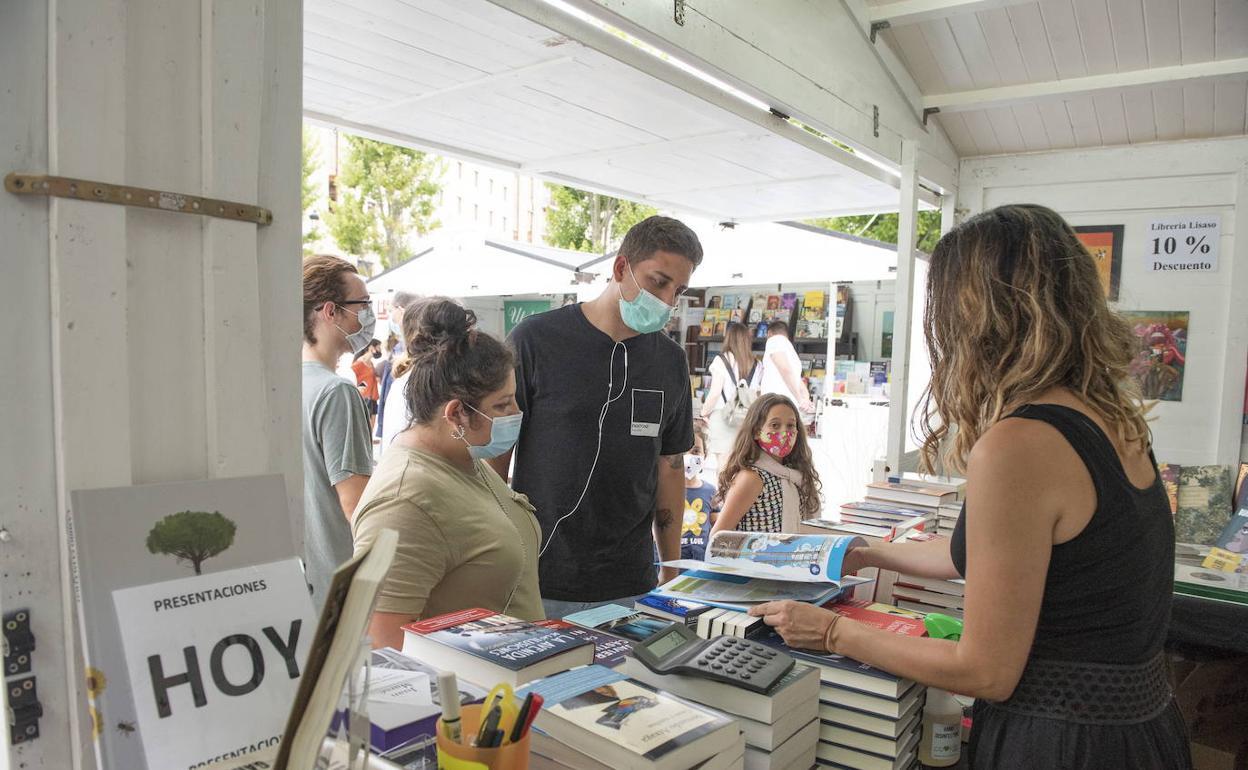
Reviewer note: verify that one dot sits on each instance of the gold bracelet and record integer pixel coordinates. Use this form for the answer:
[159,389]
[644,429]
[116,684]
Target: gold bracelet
[827,635]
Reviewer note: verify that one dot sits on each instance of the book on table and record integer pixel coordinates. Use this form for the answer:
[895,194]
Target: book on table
[769,737]
[487,648]
[550,754]
[799,751]
[836,755]
[874,510]
[722,622]
[626,724]
[869,703]
[901,591]
[609,649]
[870,743]
[846,672]
[620,621]
[882,616]
[951,587]
[676,610]
[799,686]
[910,493]
[872,723]
[746,568]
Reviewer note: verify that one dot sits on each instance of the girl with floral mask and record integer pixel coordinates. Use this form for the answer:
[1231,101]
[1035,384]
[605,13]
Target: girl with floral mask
[769,483]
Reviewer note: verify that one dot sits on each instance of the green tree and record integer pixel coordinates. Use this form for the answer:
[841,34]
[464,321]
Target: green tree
[308,190]
[585,221]
[192,536]
[386,193]
[883,227]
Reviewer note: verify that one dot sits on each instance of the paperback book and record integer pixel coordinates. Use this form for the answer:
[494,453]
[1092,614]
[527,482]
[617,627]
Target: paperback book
[624,723]
[609,649]
[488,648]
[784,557]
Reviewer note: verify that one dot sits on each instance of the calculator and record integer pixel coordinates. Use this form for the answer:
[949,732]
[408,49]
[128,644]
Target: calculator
[739,662]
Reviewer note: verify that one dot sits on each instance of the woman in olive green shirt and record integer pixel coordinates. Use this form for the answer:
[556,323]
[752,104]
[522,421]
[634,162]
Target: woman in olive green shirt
[465,539]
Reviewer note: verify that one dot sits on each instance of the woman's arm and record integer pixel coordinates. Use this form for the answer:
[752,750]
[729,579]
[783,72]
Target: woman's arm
[1009,540]
[929,558]
[745,489]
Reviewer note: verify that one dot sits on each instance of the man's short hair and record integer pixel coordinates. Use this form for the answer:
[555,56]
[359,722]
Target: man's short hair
[402,299]
[322,282]
[658,233]
[777,327]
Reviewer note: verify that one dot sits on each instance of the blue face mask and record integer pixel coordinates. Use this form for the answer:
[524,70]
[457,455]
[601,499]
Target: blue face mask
[647,313]
[504,432]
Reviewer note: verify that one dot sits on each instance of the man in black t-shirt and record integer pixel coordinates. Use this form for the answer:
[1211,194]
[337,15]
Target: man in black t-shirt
[607,420]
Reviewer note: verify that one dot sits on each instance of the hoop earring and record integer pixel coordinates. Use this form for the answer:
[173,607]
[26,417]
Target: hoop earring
[458,433]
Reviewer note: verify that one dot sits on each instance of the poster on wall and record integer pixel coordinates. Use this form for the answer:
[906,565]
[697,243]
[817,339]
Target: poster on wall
[516,310]
[136,536]
[1159,363]
[1187,242]
[1104,243]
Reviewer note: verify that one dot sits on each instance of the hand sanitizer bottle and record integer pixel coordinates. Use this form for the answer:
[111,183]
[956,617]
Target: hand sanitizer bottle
[941,743]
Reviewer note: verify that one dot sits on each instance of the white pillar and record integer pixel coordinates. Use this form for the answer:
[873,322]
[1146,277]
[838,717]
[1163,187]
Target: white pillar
[899,408]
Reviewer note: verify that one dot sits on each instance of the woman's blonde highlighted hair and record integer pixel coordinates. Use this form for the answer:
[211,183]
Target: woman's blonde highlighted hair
[1015,307]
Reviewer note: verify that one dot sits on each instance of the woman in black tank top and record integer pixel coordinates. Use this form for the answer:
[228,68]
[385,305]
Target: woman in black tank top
[1065,540]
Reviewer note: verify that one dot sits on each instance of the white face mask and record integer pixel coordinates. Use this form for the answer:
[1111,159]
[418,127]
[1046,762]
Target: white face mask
[359,340]
[693,466]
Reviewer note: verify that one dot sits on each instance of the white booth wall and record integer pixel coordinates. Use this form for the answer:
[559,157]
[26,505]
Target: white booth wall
[1132,186]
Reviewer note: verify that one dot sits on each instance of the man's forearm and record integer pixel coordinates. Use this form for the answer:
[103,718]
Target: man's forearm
[669,507]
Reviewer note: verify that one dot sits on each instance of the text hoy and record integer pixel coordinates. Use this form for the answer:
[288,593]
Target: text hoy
[192,677]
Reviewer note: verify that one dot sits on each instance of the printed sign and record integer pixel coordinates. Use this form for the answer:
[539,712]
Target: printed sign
[515,311]
[214,660]
[1186,242]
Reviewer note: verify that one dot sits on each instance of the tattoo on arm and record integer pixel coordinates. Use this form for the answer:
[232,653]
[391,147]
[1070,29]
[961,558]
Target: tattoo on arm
[675,462]
[663,518]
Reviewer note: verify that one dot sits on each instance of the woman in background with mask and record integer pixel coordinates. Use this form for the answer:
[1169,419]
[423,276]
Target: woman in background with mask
[465,539]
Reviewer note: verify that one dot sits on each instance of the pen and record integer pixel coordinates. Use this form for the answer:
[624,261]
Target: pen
[517,730]
[448,693]
[489,726]
[534,707]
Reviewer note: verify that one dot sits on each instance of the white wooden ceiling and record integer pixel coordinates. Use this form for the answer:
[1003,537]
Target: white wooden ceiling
[468,78]
[1202,44]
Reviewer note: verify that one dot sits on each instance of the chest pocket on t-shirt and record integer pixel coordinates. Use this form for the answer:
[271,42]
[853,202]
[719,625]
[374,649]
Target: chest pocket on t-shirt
[647,414]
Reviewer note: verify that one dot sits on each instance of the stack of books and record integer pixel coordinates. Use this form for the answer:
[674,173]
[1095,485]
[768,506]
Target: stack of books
[781,726]
[947,517]
[721,622]
[675,610]
[868,719]
[923,594]
[595,718]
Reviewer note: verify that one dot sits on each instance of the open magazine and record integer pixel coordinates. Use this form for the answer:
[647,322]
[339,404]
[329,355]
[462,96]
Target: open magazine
[746,568]
[773,556]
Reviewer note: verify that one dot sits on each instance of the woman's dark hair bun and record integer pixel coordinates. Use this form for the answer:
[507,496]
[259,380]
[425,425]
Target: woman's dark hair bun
[438,323]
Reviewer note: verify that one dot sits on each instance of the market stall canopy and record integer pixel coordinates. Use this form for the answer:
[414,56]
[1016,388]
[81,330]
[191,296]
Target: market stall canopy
[472,79]
[773,253]
[1008,76]
[468,264]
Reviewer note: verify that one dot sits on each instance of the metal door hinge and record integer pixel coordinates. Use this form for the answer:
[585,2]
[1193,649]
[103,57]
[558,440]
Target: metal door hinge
[123,195]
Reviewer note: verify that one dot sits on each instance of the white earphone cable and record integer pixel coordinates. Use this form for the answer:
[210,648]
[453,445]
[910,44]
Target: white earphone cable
[612,397]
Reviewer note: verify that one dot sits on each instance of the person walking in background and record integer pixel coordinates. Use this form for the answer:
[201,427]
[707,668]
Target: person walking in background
[781,369]
[366,379]
[769,483]
[385,376]
[337,449]
[393,415]
[734,364]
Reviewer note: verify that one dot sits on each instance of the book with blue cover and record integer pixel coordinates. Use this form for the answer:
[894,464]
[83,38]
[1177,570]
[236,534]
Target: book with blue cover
[846,672]
[624,723]
[679,610]
[488,648]
[609,649]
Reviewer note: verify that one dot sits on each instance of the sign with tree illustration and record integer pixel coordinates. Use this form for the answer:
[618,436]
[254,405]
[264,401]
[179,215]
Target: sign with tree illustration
[127,537]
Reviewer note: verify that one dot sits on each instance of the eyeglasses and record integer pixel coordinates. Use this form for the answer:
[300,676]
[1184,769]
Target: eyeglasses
[356,302]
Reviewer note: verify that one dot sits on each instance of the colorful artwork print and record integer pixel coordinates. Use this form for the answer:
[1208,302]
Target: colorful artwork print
[1104,243]
[1159,363]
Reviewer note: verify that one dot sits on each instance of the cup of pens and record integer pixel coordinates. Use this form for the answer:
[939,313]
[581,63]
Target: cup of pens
[491,736]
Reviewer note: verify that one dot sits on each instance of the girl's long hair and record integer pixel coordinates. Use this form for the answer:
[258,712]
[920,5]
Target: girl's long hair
[1015,307]
[745,453]
[738,342]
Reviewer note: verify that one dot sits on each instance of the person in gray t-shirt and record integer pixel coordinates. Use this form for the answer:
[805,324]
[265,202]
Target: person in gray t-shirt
[337,447]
